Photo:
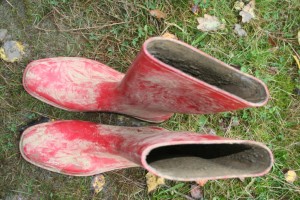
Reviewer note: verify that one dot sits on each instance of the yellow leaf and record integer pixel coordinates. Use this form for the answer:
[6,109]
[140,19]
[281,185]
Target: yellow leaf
[169,35]
[97,183]
[153,181]
[290,176]
[158,14]
[296,59]
[2,54]
[12,51]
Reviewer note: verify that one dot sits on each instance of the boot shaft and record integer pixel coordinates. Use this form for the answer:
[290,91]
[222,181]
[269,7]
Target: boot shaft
[169,75]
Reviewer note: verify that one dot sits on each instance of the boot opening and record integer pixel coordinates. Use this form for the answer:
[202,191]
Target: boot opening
[196,161]
[207,69]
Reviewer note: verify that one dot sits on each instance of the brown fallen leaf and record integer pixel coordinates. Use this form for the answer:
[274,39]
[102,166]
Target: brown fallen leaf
[153,181]
[290,176]
[248,12]
[239,31]
[158,14]
[97,183]
[272,70]
[195,9]
[209,23]
[169,35]
[272,42]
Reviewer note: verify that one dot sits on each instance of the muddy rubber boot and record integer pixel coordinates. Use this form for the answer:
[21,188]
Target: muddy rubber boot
[81,148]
[168,76]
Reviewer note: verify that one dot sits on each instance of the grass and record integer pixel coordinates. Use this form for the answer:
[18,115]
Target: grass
[117,30]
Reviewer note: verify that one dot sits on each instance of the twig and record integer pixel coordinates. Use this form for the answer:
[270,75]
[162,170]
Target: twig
[79,29]
[173,24]
[4,79]
[249,185]
[7,103]
[295,52]
[275,36]
[10,4]
[20,192]
[228,127]
[49,13]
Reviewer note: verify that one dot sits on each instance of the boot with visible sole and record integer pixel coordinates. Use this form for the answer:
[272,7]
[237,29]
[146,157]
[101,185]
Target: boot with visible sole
[168,76]
[81,148]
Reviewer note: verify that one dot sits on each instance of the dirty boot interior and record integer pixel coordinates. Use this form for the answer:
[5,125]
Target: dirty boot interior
[207,69]
[197,161]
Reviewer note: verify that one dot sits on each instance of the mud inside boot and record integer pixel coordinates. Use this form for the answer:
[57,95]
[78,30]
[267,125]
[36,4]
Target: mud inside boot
[197,161]
[208,69]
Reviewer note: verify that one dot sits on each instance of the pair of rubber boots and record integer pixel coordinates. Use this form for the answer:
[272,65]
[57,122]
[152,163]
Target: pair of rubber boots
[167,76]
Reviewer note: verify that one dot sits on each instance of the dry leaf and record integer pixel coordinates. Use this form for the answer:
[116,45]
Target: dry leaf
[238,30]
[158,14]
[202,182]
[290,176]
[196,192]
[248,12]
[239,5]
[242,179]
[272,70]
[195,9]
[12,51]
[297,61]
[169,35]
[272,42]
[209,23]
[153,181]
[97,183]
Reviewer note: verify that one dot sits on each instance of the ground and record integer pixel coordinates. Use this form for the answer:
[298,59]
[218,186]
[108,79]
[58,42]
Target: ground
[112,32]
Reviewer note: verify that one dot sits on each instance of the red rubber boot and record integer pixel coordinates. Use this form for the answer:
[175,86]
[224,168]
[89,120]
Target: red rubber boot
[81,148]
[167,76]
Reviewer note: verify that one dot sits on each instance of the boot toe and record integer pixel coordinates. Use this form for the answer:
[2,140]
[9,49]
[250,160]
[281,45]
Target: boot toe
[72,84]
[68,147]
